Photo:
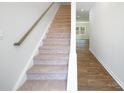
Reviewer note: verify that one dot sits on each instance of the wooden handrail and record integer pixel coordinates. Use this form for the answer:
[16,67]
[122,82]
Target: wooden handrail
[32,27]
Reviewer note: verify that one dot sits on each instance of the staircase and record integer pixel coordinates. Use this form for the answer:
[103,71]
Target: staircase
[49,71]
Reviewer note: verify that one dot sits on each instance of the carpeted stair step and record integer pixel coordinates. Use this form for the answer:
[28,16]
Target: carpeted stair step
[59,31]
[57,40]
[50,56]
[59,36]
[51,47]
[54,51]
[62,21]
[51,62]
[43,85]
[61,24]
[58,25]
[47,72]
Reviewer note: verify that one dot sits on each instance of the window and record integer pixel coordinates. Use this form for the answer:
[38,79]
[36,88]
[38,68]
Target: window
[77,30]
[80,30]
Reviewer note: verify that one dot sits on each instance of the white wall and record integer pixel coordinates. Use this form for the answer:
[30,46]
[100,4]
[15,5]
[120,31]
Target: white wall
[107,37]
[86,25]
[15,20]
[72,64]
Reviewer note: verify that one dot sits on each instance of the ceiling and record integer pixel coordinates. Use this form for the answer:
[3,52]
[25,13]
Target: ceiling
[83,15]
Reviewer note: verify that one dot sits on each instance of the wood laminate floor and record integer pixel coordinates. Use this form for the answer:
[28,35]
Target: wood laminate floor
[91,74]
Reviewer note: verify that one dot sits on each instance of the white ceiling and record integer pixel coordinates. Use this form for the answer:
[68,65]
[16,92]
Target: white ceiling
[83,16]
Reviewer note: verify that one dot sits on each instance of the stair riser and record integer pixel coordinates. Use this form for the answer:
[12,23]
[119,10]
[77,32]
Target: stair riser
[45,62]
[60,25]
[51,58]
[64,8]
[64,40]
[54,51]
[62,21]
[66,28]
[61,36]
[59,31]
[56,43]
[64,12]
[64,18]
[47,76]
[54,48]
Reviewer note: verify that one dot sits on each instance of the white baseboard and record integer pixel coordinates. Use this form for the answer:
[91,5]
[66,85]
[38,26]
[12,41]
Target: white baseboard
[23,77]
[109,71]
[29,64]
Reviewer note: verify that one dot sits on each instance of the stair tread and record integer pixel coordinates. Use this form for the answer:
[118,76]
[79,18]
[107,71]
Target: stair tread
[56,42]
[51,56]
[53,59]
[43,85]
[51,62]
[48,69]
[56,51]
[59,40]
[55,47]
[58,33]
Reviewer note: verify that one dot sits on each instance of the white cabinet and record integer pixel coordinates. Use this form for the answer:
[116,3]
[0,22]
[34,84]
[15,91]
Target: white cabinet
[82,30]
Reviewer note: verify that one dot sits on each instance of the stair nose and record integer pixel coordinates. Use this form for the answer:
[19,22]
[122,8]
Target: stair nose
[46,72]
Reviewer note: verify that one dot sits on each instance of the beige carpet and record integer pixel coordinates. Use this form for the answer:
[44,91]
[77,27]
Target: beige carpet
[49,72]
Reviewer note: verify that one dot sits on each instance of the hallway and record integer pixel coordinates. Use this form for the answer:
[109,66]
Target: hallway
[91,74]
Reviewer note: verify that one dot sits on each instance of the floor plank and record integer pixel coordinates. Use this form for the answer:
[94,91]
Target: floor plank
[91,74]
